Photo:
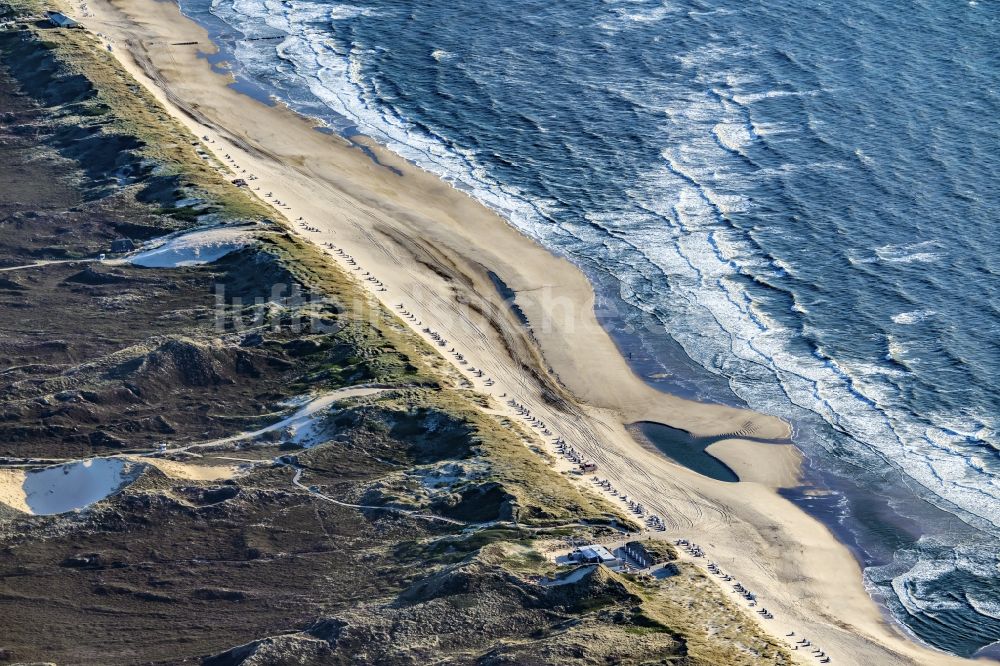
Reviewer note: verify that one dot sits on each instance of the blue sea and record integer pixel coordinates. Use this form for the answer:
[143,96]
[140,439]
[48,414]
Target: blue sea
[789,205]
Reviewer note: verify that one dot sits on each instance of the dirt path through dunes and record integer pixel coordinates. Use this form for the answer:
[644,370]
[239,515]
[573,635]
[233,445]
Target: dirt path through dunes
[296,480]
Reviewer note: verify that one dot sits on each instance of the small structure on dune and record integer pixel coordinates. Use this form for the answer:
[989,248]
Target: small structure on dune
[595,554]
[60,20]
[121,245]
[649,553]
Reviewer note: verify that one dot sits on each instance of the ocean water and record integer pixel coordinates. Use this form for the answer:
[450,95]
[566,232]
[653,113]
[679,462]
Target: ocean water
[790,205]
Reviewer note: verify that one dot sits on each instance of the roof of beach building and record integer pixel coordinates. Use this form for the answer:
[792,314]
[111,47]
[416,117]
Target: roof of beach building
[60,19]
[597,552]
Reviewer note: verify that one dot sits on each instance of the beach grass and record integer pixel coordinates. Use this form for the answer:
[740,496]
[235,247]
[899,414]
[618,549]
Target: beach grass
[126,108]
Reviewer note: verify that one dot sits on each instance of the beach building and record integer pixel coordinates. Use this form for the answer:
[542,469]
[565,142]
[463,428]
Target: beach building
[643,556]
[595,554]
[120,245]
[60,20]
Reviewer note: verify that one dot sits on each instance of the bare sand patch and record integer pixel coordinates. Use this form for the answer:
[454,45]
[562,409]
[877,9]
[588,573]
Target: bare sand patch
[12,489]
[772,465]
[193,248]
[190,471]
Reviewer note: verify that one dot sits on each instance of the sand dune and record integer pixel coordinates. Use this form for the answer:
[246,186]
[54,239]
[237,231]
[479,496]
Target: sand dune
[433,249]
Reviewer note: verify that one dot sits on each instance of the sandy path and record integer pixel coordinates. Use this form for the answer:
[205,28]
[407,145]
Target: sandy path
[431,246]
[298,422]
[296,481]
[12,478]
[47,262]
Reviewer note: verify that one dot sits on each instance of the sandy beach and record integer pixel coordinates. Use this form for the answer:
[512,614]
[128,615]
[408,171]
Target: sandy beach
[419,243]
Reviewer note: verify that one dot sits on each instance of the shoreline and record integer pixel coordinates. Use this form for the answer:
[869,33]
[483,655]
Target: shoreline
[435,246]
[682,386]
